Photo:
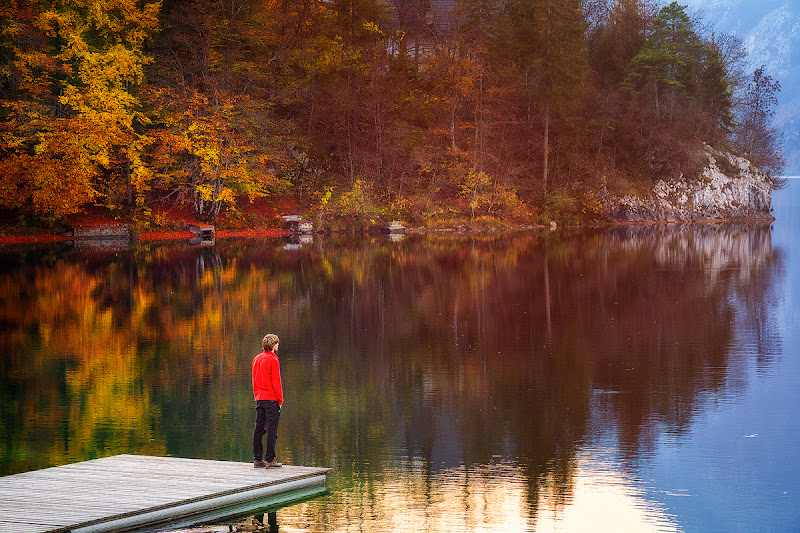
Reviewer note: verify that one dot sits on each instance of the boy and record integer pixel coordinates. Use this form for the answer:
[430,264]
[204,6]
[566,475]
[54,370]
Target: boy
[268,392]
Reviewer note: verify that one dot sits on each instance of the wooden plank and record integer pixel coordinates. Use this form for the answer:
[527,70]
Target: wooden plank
[102,231]
[125,491]
[264,497]
[197,228]
[90,515]
[27,521]
[131,482]
[203,231]
[394,227]
[14,527]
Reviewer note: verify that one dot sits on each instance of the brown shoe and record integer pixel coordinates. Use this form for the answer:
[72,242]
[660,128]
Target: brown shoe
[273,464]
[258,463]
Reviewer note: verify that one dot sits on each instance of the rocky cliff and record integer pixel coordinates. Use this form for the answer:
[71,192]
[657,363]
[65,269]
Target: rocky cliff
[729,187]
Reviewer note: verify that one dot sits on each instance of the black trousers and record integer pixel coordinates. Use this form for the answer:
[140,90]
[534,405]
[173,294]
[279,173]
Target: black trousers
[268,413]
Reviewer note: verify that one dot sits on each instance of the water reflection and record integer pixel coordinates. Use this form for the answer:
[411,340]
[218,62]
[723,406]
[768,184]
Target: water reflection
[453,382]
[608,497]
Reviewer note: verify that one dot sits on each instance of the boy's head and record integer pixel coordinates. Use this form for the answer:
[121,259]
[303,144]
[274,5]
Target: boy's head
[269,342]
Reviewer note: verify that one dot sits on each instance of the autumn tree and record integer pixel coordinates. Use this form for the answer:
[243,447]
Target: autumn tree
[479,29]
[545,41]
[183,51]
[755,136]
[348,102]
[452,73]
[73,133]
[11,20]
[341,90]
[227,70]
[411,20]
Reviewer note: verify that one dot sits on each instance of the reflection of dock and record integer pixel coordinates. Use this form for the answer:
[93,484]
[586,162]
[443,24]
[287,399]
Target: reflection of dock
[296,242]
[137,492]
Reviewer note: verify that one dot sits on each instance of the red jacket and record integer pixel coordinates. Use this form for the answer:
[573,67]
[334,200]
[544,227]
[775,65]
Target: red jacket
[267,377]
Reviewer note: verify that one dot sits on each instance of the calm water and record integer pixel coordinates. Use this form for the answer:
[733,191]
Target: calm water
[633,379]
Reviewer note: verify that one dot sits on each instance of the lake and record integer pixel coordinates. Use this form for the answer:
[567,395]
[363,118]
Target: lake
[639,378]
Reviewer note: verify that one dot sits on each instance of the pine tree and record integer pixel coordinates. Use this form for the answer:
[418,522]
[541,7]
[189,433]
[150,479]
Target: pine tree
[666,66]
[618,36]
[715,91]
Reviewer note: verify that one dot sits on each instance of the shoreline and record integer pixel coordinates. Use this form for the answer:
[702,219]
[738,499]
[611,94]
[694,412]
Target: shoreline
[185,235]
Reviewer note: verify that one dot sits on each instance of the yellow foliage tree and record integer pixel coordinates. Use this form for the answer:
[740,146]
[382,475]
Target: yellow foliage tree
[200,160]
[73,137]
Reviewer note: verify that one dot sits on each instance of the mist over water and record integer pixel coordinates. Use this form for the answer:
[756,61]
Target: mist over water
[627,379]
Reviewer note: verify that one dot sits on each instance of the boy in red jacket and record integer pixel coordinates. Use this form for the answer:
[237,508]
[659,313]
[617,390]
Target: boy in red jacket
[268,392]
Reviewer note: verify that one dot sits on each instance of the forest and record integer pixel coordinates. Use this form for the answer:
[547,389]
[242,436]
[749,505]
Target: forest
[359,111]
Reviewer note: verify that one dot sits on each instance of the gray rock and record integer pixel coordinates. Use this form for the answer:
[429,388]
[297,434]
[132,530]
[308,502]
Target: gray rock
[729,187]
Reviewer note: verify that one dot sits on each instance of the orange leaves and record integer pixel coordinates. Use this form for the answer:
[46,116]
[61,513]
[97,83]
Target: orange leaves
[13,186]
[203,159]
[54,178]
[116,21]
[59,148]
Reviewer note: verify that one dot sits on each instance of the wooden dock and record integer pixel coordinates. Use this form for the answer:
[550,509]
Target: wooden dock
[143,493]
[204,235]
[102,231]
[297,225]
[204,231]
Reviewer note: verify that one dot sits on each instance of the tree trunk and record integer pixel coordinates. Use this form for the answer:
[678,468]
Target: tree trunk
[546,147]
[453,127]
[376,82]
[349,113]
[126,169]
[548,102]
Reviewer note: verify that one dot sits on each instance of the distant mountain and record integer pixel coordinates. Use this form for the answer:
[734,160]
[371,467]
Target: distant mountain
[770,30]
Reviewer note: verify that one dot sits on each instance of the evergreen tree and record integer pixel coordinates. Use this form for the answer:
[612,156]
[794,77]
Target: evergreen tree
[618,36]
[715,92]
[666,66]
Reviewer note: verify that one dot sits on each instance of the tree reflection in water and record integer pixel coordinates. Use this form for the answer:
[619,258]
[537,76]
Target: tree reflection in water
[433,368]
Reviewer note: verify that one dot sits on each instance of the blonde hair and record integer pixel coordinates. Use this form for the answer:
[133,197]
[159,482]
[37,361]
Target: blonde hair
[269,341]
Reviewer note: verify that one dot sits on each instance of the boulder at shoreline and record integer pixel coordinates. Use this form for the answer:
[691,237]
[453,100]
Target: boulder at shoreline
[728,187]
